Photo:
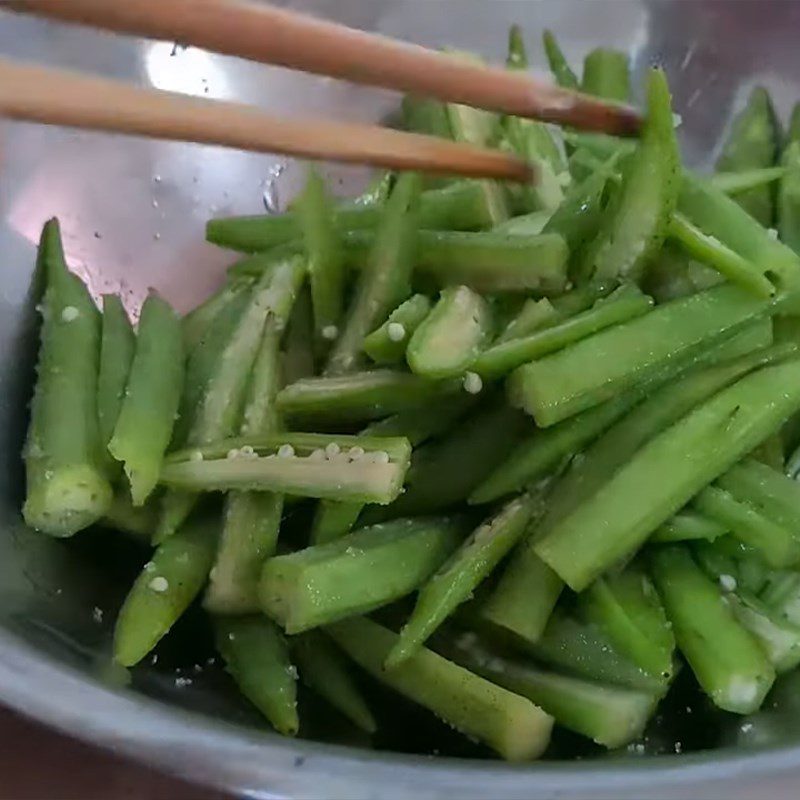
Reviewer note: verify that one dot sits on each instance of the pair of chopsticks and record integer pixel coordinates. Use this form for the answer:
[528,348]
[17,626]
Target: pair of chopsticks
[260,32]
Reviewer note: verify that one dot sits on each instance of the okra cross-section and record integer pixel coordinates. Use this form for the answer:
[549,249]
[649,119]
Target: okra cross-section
[360,469]
[355,574]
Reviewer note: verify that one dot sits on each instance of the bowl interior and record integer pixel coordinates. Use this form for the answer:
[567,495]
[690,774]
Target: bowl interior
[133,211]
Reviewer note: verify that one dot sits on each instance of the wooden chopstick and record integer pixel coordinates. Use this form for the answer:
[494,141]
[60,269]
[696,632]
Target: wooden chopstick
[260,32]
[57,97]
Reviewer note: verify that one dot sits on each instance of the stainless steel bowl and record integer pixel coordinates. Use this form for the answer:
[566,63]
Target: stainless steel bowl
[133,213]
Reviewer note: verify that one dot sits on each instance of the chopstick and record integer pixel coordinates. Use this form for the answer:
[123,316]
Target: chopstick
[260,32]
[52,96]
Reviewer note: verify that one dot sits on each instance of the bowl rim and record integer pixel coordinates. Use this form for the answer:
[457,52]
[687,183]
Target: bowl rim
[264,764]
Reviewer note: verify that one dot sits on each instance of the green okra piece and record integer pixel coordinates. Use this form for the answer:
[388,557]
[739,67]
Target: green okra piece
[581,375]
[577,647]
[67,488]
[487,261]
[333,520]
[460,206]
[387,344]
[708,441]
[558,63]
[420,424]
[386,280]
[626,608]
[517,53]
[741,180]
[729,556]
[774,543]
[770,492]
[689,525]
[360,396]
[450,338]
[726,659]
[636,225]
[356,574]
[325,257]
[337,447]
[716,255]
[520,606]
[609,715]
[152,396]
[164,589]
[203,360]
[324,671]
[770,451]
[720,217]
[624,304]
[425,115]
[779,639]
[666,406]
[606,74]
[541,453]
[220,406]
[458,577]
[445,471]
[752,144]
[511,725]
[251,520]
[257,657]
[250,526]
[361,474]
[198,321]
[117,345]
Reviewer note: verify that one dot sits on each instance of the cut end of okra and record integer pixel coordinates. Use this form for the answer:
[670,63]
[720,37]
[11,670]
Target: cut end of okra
[67,500]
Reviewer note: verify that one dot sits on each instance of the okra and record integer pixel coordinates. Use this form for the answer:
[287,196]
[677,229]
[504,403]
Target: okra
[150,405]
[257,657]
[387,344]
[456,580]
[360,396]
[511,725]
[788,196]
[774,543]
[164,589]
[606,74]
[626,608]
[707,442]
[450,338]
[325,259]
[636,226]
[716,255]
[726,659]
[611,716]
[753,144]
[355,574]
[487,261]
[386,280]
[581,376]
[624,304]
[332,520]
[354,475]
[558,63]
[117,345]
[67,488]
[461,206]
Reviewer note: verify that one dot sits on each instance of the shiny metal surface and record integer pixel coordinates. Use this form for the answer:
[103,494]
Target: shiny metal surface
[133,214]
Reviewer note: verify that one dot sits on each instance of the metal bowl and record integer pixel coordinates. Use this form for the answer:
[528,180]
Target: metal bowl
[133,212]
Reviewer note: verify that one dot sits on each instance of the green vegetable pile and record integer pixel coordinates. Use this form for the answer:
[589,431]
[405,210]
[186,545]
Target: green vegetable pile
[546,431]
